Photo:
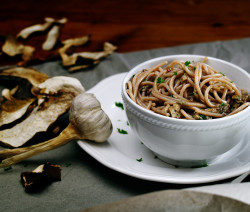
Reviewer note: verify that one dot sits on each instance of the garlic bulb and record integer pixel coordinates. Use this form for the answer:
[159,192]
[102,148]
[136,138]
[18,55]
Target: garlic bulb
[87,121]
[88,117]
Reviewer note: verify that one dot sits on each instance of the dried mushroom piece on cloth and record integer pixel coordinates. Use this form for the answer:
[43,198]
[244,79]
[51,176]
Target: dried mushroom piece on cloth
[12,48]
[42,175]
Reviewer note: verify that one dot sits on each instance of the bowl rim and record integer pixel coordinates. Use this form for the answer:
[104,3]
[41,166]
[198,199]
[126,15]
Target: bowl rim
[162,118]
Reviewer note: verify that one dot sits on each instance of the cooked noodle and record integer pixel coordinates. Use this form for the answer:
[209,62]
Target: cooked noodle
[187,90]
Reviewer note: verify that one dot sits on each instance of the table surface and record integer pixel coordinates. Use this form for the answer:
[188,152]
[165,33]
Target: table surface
[132,26]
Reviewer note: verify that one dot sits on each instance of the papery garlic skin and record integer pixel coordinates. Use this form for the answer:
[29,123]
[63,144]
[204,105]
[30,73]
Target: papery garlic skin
[88,117]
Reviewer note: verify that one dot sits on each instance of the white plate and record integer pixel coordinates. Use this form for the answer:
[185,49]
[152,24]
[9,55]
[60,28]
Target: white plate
[122,151]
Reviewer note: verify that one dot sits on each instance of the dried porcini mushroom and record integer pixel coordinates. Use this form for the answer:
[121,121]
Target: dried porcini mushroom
[12,48]
[26,32]
[50,107]
[42,175]
[81,60]
[56,84]
[53,34]
[87,121]
[33,76]
[75,41]
[63,51]
[14,109]
[71,60]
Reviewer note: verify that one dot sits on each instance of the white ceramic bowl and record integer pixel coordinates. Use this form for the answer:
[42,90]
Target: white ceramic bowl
[182,142]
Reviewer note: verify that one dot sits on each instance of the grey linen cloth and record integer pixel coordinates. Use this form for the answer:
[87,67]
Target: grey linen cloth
[85,182]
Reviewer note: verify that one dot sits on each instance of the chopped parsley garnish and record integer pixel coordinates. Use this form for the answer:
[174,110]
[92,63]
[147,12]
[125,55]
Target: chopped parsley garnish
[238,98]
[200,166]
[222,74]
[175,73]
[195,68]
[202,117]
[223,107]
[223,104]
[232,81]
[127,123]
[187,63]
[160,80]
[119,104]
[122,131]
[139,160]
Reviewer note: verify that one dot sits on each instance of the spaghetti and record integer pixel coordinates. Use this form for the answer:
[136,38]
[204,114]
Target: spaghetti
[187,90]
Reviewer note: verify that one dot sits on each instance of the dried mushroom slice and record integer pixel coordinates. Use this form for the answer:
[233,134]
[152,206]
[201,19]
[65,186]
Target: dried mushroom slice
[14,109]
[12,48]
[39,120]
[52,38]
[75,41]
[26,32]
[61,92]
[53,35]
[55,84]
[33,76]
[68,44]
[27,55]
[85,59]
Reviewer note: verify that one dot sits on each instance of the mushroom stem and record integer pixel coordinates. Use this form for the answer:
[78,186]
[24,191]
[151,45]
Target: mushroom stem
[68,134]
